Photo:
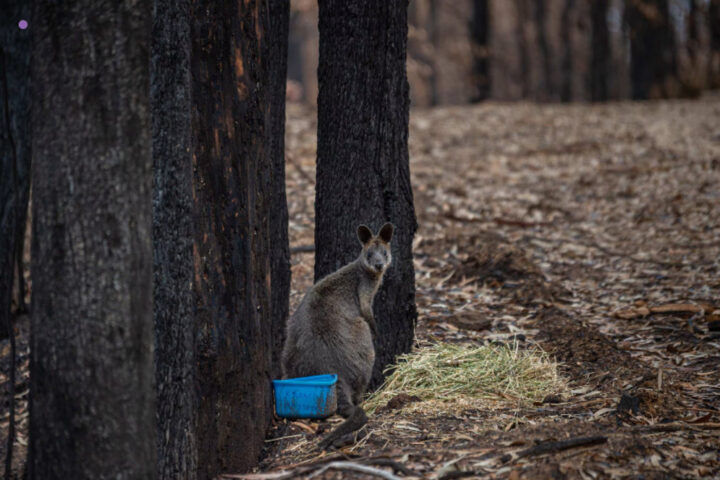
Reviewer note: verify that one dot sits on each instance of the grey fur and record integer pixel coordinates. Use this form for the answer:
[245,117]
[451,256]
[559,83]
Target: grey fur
[331,331]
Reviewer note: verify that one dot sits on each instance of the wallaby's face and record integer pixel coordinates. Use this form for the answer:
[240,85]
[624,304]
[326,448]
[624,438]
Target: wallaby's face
[375,255]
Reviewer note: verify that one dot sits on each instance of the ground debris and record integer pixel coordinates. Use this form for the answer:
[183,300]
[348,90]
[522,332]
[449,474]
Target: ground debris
[540,223]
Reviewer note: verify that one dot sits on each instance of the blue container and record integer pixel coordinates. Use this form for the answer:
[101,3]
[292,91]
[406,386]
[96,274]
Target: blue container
[306,397]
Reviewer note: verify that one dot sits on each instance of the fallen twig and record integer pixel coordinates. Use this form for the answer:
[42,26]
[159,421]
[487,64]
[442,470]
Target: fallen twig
[357,467]
[396,466]
[552,447]
[300,170]
[674,427]
[302,249]
[317,467]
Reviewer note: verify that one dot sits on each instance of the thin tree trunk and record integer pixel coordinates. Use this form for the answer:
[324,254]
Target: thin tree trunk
[714,60]
[653,67]
[363,174]
[276,64]
[555,47]
[580,48]
[542,10]
[92,400]
[14,149]
[567,54]
[506,72]
[173,242]
[524,41]
[453,52]
[219,217]
[695,52]
[600,65]
[480,31]
[14,182]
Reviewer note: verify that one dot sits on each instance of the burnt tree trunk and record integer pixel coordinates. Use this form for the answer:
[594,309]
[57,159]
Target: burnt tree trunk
[219,219]
[276,63]
[580,48]
[524,38]
[653,67]
[506,70]
[480,31]
[601,56]
[14,180]
[453,59]
[555,33]
[567,65]
[92,400]
[362,172]
[695,52]
[713,10]
[14,148]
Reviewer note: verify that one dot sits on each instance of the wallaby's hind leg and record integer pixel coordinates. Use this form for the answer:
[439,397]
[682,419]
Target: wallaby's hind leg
[355,417]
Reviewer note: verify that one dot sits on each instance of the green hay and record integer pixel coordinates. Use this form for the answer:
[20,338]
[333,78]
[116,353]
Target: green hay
[445,376]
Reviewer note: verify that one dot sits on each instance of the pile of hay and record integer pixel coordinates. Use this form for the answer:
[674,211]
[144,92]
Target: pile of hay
[449,377]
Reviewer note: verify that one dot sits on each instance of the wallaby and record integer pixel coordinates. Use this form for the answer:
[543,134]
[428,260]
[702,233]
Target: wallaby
[332,329]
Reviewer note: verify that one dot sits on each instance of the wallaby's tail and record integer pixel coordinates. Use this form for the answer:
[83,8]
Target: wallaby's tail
[355,421]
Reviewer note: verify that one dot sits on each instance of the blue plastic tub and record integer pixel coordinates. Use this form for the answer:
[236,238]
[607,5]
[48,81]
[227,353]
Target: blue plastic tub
[306,397]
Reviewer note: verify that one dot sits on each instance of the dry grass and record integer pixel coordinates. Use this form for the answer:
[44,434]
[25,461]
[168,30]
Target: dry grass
[447,377]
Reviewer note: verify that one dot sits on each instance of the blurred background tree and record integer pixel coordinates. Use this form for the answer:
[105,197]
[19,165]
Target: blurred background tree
[540,50]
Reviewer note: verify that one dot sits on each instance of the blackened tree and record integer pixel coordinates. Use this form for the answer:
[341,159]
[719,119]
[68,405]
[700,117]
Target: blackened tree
[714,60]
[275,59]
[601,70]
[92,400]
[219,226]
[653,62]
[14,176]
[362,166]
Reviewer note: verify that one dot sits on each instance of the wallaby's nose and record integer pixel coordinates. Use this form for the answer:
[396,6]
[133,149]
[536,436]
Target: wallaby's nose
[378,266]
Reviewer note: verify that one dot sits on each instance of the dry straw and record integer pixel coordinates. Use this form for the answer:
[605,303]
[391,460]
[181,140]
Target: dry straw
[446,376]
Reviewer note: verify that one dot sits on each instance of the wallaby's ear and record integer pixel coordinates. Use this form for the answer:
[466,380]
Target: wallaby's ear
[386,232]
[364,234]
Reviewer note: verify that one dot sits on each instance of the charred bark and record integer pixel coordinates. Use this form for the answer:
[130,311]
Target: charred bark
[14,182]
[219,217]
[173,272]
[92,399]
[276,61]
[363,173]
[14,150]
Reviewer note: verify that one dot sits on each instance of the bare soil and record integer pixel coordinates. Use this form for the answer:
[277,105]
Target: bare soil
[561,227]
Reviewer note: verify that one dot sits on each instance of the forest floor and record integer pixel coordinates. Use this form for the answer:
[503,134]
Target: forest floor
[591,232]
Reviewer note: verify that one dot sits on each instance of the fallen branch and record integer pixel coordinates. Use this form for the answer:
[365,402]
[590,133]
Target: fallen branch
[396,466]
[674,427]
[356,467]
[300,169]
[317,467]
[302,249]
[553,447]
